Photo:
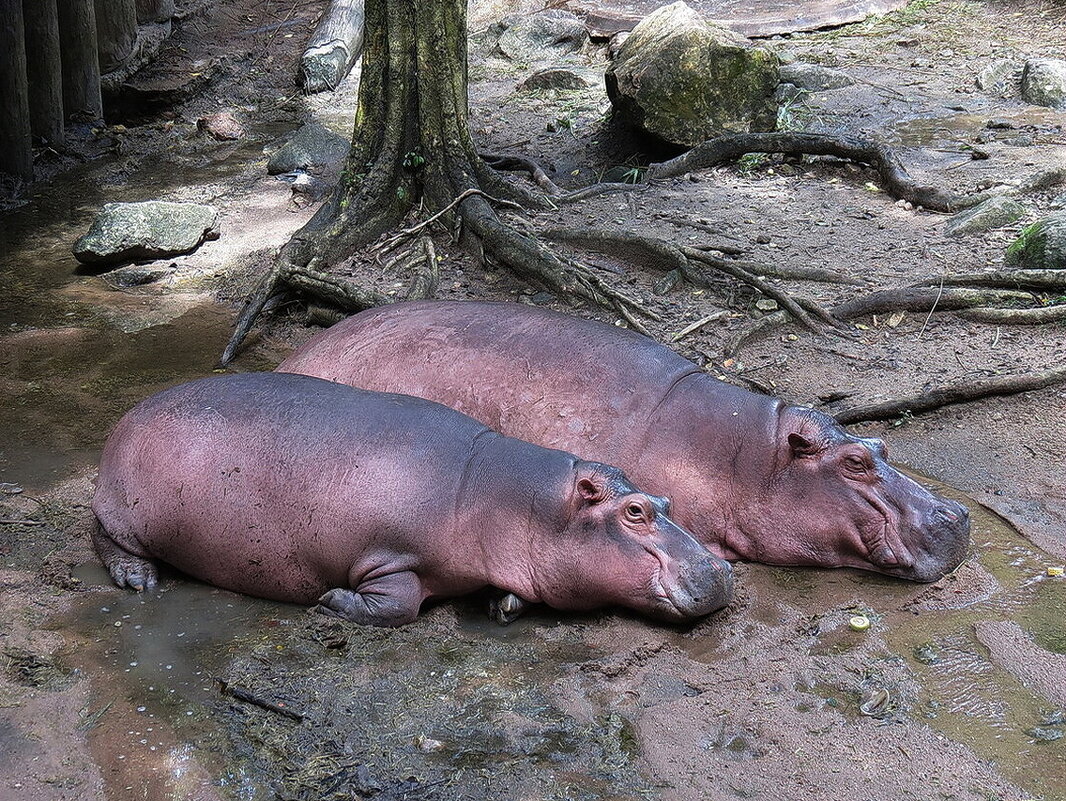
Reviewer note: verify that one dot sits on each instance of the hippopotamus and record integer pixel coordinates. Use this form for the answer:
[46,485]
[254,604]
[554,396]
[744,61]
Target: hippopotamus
[298,489]
[751,476]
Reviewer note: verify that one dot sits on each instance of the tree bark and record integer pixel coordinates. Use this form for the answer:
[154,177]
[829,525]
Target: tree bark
[44,70]
[154,11]
[333,47]
[116,31]
[16,153]
[81,66]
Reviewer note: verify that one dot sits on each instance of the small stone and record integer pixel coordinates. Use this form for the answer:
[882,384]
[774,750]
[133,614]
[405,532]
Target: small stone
[151,230]
[547,34]
[926,653]
[813,77]
[762,239]
[312,145]
[1044,82]
[542,298]
[556,78]
[667,283]
[1045,734]
[992,213]
[1002,78]
[222,126]
[766,304]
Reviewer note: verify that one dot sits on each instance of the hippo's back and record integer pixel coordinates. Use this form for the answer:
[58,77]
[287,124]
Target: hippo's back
[538,375]
[272,484]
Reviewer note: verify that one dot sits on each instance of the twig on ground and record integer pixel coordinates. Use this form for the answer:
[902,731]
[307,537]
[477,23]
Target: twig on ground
[696,326]
[240,694]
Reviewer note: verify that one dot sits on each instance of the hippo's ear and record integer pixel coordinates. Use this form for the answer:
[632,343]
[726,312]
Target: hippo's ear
[801,446]
[592,489]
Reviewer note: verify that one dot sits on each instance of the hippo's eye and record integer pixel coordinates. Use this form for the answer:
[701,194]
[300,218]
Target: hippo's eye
[855,463]
[635,513]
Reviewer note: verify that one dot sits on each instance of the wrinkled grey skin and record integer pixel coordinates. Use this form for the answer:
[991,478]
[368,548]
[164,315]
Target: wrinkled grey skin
[297,489]
[752,477]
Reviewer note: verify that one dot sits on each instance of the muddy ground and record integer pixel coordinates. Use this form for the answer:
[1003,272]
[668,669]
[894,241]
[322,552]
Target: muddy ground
[954,693]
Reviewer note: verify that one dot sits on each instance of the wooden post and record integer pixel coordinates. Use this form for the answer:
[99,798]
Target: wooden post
[44,71]
[81,67]
[116,31]
[154,11]
[16,153]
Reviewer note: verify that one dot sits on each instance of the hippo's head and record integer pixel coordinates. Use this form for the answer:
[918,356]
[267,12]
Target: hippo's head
[832,498]
[619,546]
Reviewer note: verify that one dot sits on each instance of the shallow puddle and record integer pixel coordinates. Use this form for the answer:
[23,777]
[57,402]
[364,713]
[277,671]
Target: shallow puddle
[961,693]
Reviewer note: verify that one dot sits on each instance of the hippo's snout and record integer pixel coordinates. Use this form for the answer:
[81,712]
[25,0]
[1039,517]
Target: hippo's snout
[702,587]
[946,539]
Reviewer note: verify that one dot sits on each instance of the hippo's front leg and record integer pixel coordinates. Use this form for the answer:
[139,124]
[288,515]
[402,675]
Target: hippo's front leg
[507,607]
[390,600]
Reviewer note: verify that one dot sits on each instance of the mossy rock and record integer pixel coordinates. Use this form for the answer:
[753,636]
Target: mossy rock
[1041,246]
[684,81]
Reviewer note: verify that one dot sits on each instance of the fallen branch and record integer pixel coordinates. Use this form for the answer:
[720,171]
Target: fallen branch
[247,697]
[863,151]
[971,390]
[696,326]
[22,523]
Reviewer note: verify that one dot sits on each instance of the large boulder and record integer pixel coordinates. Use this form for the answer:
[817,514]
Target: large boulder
[683,80]
[544,36]
[1041,246]
[151,230]
[313,145]
[1044,82]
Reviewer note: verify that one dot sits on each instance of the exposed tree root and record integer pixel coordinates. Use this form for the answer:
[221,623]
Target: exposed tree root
[925,299]
[1037,316]
[522,164]
[863,151]
[955,393]
[1021,279]
[690,262]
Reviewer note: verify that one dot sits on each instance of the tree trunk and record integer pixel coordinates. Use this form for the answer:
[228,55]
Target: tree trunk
[81,67]
[412,140]
[116,31]
[154,11]
[44,70]
[16,154]
[333,47]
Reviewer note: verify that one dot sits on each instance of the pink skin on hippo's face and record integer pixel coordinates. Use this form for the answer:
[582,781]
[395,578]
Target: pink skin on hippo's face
[678,578]
[854,509]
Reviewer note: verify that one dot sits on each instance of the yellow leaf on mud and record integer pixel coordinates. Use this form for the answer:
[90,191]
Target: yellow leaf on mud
[895,319]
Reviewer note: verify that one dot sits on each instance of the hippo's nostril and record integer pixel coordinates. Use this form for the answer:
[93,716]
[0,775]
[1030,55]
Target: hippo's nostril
[952,513]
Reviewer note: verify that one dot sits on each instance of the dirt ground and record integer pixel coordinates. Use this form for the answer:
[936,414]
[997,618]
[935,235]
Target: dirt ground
[954,692]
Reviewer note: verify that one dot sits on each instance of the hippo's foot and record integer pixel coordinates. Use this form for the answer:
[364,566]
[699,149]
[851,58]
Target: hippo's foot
[390,600]
[507,608]
[126,569]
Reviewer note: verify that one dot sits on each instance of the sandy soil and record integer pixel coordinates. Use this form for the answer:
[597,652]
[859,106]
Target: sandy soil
[763,700]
